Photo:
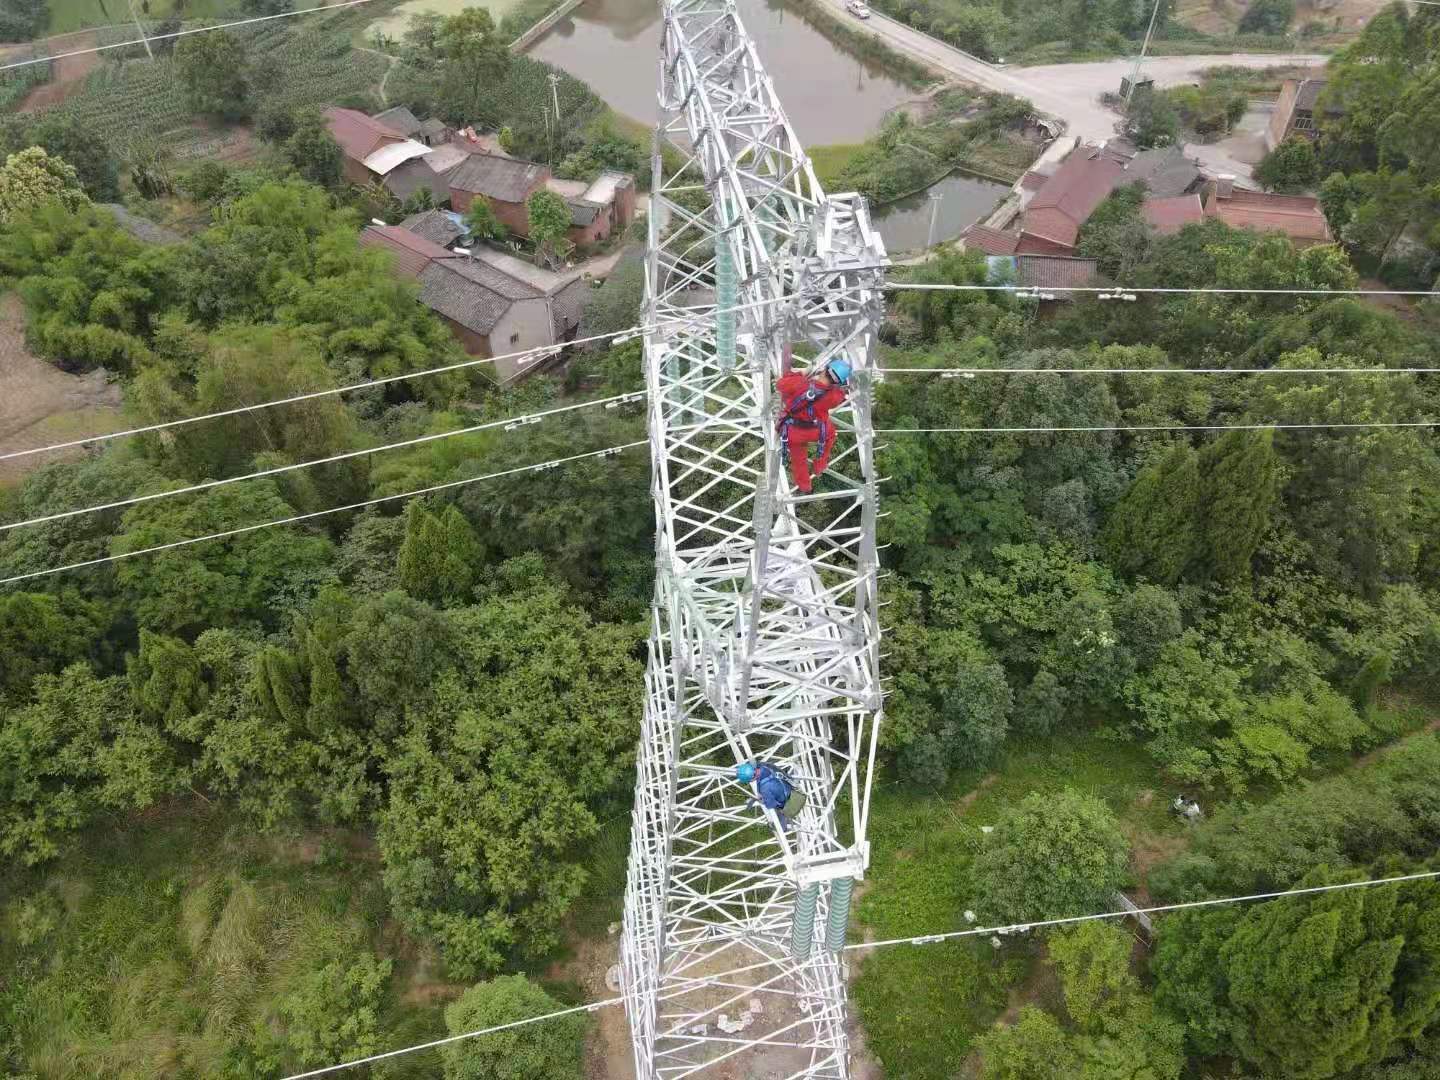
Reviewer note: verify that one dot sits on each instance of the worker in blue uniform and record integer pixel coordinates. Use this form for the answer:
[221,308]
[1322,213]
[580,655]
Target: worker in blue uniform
[773,788]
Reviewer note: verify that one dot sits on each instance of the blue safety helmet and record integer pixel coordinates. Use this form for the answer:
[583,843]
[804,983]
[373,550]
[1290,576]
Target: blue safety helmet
[745,772]
[839,371]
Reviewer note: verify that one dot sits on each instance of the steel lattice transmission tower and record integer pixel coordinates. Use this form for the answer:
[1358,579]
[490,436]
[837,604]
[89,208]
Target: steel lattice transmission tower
[765,640]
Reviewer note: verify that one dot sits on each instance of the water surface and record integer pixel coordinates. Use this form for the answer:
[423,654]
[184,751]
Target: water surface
[964,200]
[829,95]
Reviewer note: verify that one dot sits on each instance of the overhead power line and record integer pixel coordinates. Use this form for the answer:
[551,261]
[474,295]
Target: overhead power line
[922,939]
[616,337]
[1152,427]
[1131,292]
[183,33]
[509,423]
[609,451]
[971,372]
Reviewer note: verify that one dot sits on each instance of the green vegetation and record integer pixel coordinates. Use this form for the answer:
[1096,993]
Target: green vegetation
[959,130]
[1075,30]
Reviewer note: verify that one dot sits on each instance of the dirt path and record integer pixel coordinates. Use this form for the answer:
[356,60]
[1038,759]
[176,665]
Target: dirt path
[69,74]
[384,97]
[40,404]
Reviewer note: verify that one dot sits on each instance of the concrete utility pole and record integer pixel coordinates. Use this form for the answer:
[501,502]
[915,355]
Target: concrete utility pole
[765,641]
[555,94]
[136,16]
[1135,75]
[936,198]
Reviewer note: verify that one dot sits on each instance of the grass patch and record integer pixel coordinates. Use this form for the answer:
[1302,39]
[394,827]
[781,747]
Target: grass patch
[831,161]
[923,1007]
[166,949]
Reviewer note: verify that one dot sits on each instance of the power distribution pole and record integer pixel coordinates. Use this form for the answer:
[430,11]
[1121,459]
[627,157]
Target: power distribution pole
[764,642]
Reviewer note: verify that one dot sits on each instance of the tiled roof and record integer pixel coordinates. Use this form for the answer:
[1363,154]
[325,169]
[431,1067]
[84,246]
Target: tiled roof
[444,158]
[582,213]
[400,118]
[1068,198]
[1308,93]
[434,126]
[1054,271]
[471,293]
[1297,216]
[413,253]
[1170,215]
[1165,171]
[434,225]
[358,135]
[991,241]
[505,179]
[566,305]
[1033,181]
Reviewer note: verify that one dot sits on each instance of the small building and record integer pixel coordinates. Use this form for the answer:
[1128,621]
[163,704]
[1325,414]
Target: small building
[504,183]
[1170,214]
[369,149]
[399,119]
[1052,219]
[990,241]
[444,228]
[598,209]
[1297,216]
[1056,272]
[493,307]
[435,132]
[1295,111]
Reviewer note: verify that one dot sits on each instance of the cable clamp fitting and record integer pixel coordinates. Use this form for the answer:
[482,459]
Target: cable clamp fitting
[1118,296]
[522,421]
[544,466]
[957,375]
[614,451]
[928,939]
[626,399]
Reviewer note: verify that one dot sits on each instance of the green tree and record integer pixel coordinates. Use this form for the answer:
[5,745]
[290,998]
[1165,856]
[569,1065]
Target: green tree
[549,220]
[213,70]
[1153,531]
[1242,480]
[475,58]
[1032,1048]
[440,558]
[1291,166]
[242,579]
[31,178]
[75,751]
[548,1051]
[482,222]
[41,633]
[77,142]
[492,782]
[1316,986]
[1268,17]
[334,1014]
[1152,120]
[313,151]
[1116,235]
[1093,960]
[1051,855]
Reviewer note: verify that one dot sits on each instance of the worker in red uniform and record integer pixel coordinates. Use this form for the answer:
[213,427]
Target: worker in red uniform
[805,404]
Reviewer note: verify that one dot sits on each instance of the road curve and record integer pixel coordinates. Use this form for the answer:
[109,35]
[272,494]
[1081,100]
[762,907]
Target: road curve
[1068,91]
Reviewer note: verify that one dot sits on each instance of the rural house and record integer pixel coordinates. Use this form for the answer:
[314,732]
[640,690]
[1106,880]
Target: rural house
[370,149]
[504,183]
[490,310]
[1171,214]
[1297,216]
[1295,111]
[598,209]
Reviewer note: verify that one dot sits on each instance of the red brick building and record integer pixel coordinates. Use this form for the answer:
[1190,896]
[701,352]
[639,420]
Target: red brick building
[505,183]
[1297,216]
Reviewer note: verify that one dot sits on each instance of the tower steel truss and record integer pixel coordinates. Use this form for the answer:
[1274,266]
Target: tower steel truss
[764,643]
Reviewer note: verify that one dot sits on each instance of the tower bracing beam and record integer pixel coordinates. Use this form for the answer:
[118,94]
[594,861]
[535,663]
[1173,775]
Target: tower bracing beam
[764,641]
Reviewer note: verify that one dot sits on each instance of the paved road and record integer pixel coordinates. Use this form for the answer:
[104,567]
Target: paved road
[1068,91]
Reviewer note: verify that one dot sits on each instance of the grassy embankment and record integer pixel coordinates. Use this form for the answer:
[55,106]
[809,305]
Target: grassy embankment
[923,1007]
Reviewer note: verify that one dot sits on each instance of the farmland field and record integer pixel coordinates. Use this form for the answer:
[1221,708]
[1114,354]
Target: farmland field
[393,24]
[311,66]
[67,15]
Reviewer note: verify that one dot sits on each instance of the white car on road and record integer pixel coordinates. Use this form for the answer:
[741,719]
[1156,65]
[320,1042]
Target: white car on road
[858,8]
